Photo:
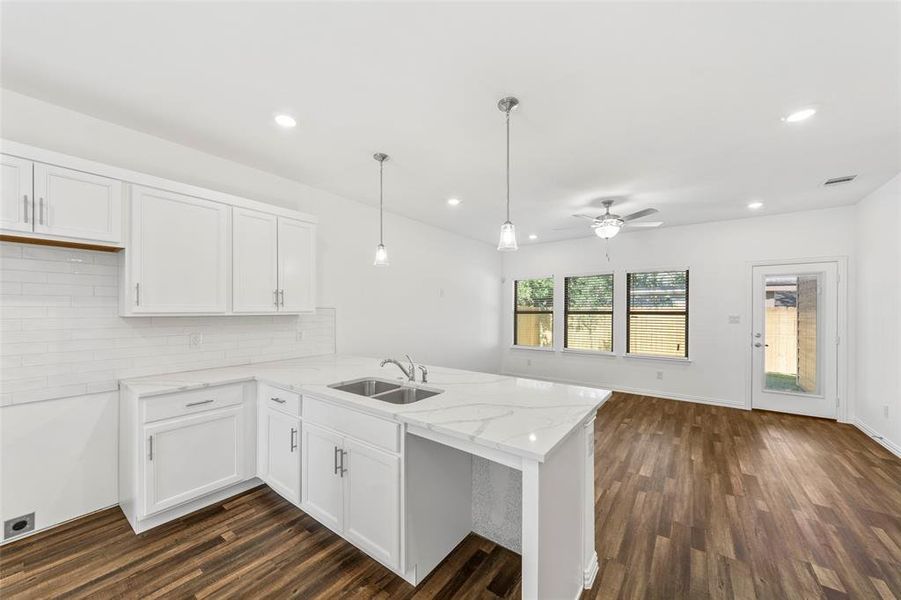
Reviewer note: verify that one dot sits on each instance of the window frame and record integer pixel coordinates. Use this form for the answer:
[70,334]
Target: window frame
[612,312]
[686,312]
[552,312]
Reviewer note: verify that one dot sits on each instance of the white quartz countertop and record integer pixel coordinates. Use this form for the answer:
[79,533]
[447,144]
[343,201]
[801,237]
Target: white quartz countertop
[525,417]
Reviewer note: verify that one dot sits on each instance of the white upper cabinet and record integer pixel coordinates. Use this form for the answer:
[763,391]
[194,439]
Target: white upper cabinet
[296,265]
[16,198]
[273,263]
[177,254]
[254,262]
[80,205]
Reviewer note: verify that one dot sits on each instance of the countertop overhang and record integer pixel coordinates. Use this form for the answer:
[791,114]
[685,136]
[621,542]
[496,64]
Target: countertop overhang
[524,417]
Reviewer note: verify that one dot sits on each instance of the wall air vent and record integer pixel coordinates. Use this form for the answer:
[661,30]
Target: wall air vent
[838,180]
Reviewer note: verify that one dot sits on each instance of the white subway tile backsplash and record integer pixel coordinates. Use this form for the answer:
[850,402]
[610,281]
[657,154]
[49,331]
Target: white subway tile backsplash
[60,333]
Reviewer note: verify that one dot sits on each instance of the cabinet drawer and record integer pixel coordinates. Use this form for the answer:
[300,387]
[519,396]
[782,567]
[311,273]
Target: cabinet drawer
[186,403]
[279,399]
[373,430]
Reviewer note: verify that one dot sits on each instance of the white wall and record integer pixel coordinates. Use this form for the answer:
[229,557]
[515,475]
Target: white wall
[718,257]
[878,298]
[439,301]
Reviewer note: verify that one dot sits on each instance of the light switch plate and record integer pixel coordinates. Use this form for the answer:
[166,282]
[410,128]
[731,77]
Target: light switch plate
[734,319]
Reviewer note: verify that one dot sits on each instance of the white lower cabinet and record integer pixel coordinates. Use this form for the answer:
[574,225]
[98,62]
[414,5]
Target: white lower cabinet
[280,452]
[191,456]
[323,488]
[372,501]
[354,489]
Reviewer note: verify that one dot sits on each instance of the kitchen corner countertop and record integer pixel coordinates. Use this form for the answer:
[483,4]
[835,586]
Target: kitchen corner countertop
[524,417]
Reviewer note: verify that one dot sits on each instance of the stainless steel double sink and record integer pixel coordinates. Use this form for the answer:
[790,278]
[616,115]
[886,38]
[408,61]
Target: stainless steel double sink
[384,390]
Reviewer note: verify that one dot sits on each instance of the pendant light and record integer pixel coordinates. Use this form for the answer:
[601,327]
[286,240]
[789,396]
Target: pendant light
[508,230]
[381,255]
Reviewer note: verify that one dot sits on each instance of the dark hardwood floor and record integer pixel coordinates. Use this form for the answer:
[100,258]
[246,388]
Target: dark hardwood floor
[693,501]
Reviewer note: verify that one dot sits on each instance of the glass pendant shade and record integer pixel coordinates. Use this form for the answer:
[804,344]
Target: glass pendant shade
[608,228]
[508,237]
[381,256]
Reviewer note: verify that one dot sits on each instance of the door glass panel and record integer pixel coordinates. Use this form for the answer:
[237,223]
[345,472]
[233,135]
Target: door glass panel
[792,333]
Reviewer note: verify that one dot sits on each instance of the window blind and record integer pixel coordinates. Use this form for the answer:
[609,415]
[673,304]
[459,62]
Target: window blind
[533,315]
[588,323]
[657,313]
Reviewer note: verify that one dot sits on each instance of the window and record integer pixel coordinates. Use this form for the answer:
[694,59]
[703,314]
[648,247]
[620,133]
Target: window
[589,313]
[657,313]
[533,314]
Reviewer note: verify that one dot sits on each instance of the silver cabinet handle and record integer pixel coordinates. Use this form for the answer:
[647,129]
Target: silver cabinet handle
[275,295]
[279,400]
[343,470]
[137,294]
[150,456]
[189,404]
[42,212]
[336,459]
[25,204]
[293,437]
[281,293]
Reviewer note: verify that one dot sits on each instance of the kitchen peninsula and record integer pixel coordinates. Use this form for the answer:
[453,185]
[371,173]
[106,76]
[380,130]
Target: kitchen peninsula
[394,479]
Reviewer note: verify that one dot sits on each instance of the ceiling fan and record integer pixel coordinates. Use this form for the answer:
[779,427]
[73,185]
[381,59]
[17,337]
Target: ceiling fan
[607,225]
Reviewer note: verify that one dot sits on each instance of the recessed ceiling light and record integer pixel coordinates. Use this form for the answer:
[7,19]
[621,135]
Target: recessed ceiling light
[800,115]
[453,201]
[286,121]
[533,236]
[755,205]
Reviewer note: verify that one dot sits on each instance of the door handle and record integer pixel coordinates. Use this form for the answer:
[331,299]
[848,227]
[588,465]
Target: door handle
[343,470]
[279,400]
[281,294]
[25,204]
[336,460]
[275,295]
[150,455]
[293,443]
[41,203]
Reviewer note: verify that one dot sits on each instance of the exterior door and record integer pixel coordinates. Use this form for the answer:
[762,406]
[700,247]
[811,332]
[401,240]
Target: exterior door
[372,501]
[283,454]
[189,457]
[255,262]
[795,333]
[296,265]
[322,476]
[75,204]
[179,253]
[16,205]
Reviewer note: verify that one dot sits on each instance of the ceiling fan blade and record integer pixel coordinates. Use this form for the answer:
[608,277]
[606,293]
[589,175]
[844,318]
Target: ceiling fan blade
[644,225]
[580,215]
[639,214]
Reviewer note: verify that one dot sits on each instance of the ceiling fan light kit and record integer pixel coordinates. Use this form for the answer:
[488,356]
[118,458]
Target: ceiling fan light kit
[608,225]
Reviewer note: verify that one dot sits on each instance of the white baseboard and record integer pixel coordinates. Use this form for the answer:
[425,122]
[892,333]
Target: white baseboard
[54,525]
[637,391]
[878,437]
[590,572]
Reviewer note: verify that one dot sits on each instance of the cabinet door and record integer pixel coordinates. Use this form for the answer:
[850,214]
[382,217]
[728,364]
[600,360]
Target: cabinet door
[16,204]
[322,478]
[254,261]
[75,204]
[189,457]
[178,253]
[283,454]
[296,265]
[372,501]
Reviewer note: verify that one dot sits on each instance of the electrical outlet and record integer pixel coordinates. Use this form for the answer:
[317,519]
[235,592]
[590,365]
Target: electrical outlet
[299,336]
[734,319]
[528,362]
[195,340]
[18,526]
[659,374]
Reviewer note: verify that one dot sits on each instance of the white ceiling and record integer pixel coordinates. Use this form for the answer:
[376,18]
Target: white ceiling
[675,106]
